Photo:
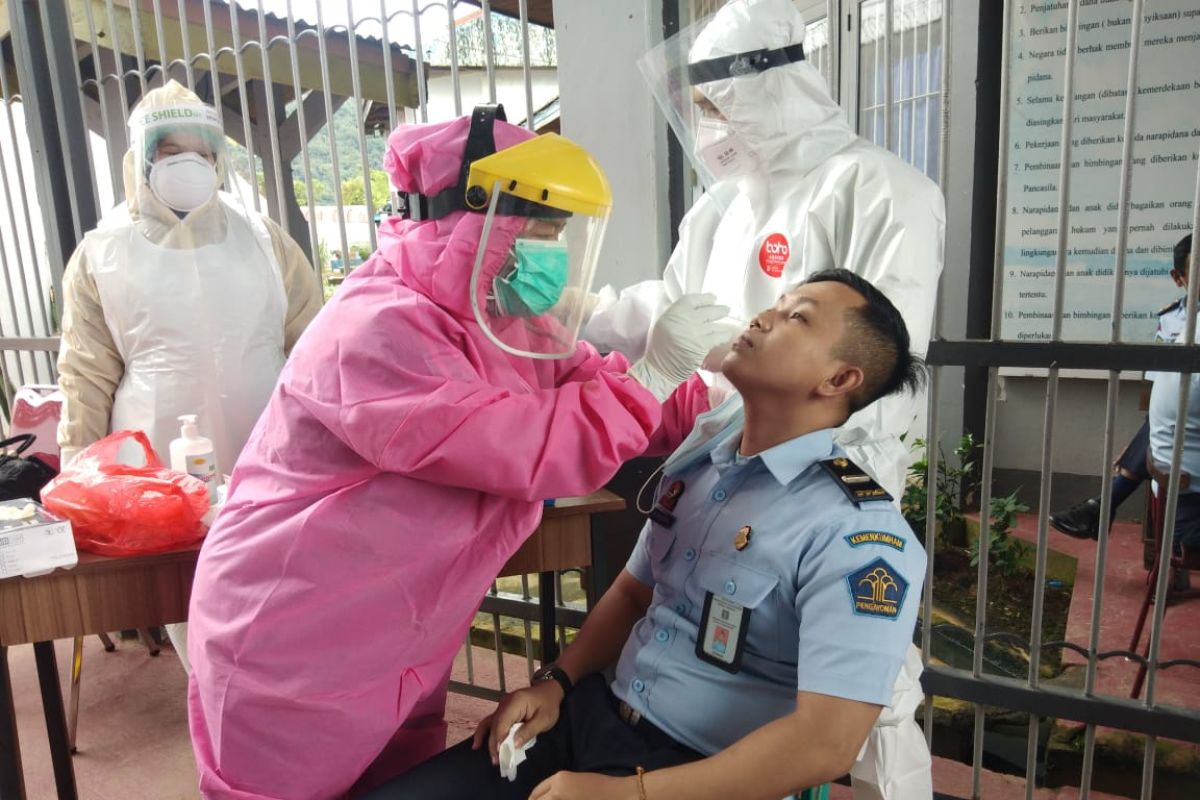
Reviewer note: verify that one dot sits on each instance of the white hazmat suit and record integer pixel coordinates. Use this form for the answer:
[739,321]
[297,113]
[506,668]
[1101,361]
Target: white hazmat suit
[181,301]
[792,191]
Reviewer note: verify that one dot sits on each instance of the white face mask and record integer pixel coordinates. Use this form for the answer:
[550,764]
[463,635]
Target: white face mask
[721,150]
[184,181]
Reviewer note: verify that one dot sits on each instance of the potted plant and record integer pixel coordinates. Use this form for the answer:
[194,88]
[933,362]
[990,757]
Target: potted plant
[956,486]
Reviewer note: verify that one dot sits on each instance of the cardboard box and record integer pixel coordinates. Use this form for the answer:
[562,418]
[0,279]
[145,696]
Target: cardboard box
[33,541]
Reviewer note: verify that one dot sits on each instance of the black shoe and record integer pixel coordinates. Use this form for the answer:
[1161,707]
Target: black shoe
[1082,521]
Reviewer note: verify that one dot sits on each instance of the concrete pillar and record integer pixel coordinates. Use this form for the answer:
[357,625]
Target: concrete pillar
[957,187]
[607,109]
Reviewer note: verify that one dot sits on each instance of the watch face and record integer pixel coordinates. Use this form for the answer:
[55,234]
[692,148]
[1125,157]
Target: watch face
[552,672]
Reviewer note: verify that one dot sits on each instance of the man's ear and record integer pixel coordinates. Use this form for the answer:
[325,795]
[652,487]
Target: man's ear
[845,381]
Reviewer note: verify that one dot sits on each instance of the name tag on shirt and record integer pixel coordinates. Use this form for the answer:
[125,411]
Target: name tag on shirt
[723,628]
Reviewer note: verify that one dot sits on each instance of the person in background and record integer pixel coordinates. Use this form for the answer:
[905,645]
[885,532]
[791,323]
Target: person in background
[1164,405]
[407,453]
[1082,520]
[791,190]
[182,300]
[762,620]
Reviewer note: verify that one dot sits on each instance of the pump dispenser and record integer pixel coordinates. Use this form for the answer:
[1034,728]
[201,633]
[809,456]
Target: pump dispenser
[193,454]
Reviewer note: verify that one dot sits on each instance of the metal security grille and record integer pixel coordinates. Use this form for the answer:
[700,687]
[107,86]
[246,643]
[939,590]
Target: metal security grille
[28,315]
[307,91]
[900,56]
[1046,701]
[890,60]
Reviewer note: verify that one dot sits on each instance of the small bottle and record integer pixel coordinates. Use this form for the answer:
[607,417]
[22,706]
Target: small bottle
[193,454]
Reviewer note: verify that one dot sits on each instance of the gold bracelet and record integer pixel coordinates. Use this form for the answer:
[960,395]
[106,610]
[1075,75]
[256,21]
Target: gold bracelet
[641,783]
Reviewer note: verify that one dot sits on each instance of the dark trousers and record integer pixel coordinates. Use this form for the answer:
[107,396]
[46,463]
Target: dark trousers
[1187,522]
[590,737]
[1133,460]
[1187,513]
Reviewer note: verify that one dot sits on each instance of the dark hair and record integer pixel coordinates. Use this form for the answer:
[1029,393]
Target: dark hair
[1183,249]
[877,342]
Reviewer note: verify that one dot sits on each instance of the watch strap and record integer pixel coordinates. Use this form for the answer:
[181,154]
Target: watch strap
[555,673]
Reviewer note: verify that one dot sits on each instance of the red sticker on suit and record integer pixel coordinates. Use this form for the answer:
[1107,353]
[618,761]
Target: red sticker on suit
[774,254]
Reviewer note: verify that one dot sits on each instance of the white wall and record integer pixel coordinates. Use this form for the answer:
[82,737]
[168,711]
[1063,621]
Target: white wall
[329,227]
[607,109]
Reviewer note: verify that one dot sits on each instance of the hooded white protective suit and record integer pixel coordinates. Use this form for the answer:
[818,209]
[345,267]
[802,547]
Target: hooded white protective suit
[817,196]
[170,312]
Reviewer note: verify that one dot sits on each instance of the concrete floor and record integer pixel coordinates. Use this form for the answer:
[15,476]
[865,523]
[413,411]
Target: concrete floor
[133,740]
[1124,589]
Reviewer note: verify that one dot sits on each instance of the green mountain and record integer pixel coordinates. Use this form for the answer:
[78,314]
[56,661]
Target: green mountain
[346,145]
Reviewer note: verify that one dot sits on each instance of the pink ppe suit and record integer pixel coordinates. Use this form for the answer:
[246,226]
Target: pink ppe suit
[402,460]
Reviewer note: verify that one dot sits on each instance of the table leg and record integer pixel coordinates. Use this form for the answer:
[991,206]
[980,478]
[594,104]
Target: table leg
[76,678]
[546,604]
[56,720]
[12,784]
[601,576]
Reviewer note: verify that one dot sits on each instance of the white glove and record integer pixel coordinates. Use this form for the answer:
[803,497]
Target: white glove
[733,329]
[678,342]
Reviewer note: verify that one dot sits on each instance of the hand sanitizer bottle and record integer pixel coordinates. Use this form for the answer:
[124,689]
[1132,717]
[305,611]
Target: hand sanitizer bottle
[193,454]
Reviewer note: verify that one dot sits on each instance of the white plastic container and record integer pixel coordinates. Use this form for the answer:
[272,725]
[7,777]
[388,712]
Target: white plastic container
[33,541]
[193,454]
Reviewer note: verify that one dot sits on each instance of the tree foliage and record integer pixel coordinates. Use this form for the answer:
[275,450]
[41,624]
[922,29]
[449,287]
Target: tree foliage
[320,159]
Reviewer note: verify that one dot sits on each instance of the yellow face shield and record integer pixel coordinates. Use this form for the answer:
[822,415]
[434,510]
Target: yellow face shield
[533,305]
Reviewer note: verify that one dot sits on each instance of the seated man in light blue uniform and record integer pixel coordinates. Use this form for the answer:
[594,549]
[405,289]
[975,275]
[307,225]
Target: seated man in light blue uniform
[1082,520]
[762,620]
[1164,403]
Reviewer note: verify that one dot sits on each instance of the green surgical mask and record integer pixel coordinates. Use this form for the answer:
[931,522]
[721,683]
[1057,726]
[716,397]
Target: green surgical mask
[536,282]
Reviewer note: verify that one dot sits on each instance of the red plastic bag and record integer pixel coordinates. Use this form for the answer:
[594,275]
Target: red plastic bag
[119,510]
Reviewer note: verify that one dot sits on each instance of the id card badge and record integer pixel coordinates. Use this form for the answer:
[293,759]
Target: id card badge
[723,628]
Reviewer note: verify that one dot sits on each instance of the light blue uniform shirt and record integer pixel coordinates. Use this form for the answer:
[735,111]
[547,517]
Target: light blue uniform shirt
[1171,321]
[840,606]
[1164,401]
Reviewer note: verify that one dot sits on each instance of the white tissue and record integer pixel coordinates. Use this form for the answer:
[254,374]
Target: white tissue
[512,756]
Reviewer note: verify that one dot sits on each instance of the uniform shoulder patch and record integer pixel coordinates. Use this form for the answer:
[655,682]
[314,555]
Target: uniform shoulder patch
[854,481]
[876,537]
[877,590]
[1169,307]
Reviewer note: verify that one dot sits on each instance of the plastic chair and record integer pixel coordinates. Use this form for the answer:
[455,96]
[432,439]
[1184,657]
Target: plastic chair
[1184,561]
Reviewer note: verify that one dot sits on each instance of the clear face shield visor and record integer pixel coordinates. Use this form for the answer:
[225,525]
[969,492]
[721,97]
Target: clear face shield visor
[690,76]
[533,303]
[179,152]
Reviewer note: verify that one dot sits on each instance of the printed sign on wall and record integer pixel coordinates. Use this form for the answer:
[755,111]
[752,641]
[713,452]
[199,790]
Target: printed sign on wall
[1166,138]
